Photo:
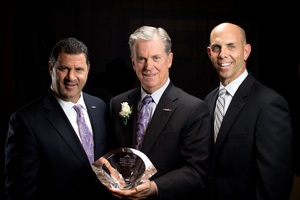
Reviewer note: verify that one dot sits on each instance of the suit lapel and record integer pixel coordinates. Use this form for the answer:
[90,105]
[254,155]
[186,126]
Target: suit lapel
[130,128]
[232,113]
[61,123]
[234,108]
[163,112]
[92,110]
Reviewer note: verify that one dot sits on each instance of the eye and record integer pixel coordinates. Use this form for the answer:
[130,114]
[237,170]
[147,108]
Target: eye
[231,46]
[216,48]
[62,68]
[141,60]
[79,69]
[156,58]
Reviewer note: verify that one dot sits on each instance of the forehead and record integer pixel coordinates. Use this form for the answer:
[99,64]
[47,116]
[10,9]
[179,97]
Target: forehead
[225,35]
[71,59]
[149,46]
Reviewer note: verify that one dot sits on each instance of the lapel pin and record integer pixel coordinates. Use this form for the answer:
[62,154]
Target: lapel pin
[93,106]
[167,109]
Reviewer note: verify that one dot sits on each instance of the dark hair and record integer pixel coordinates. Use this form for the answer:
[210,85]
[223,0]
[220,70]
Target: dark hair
[68,46]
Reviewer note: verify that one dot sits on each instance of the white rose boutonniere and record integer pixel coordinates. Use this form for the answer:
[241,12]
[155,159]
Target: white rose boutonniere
[125,112]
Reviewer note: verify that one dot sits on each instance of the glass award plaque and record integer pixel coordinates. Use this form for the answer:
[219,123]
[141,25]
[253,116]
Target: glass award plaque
[123,168]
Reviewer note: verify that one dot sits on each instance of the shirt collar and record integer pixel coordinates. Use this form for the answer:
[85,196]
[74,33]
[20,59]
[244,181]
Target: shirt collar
[69,105]
[157,94]
[234,85]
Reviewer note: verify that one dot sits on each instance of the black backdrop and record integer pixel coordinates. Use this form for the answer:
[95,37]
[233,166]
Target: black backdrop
[29,30]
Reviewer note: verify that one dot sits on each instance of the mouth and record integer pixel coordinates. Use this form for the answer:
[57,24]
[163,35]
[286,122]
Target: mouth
[70,85]
[225,64]
[148,75]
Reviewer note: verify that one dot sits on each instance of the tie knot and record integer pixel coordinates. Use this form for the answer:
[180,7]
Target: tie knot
[78,108]
[147,99]
[222,92]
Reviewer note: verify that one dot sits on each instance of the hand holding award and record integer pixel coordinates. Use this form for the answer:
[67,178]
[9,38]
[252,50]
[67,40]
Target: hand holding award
[123,168]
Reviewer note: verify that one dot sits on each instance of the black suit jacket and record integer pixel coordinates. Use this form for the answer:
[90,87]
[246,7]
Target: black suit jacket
[177,141]
[44,157]
[252,157]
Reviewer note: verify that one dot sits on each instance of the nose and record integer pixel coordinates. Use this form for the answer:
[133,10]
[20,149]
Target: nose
[149,64]
[71,74]
[223,53]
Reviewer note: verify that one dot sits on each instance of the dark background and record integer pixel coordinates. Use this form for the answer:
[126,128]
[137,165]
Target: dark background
[30,29]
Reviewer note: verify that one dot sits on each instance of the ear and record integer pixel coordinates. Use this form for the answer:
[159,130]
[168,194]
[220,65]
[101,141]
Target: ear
[247,51]
[50,68]
[133,64]
[170,59]
[208,50]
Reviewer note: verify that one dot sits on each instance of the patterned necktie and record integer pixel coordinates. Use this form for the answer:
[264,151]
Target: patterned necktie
[143,118]
[219,112]
[85,134]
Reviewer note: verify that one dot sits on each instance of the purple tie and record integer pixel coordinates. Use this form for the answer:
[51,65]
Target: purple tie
[85,134]
[143,118]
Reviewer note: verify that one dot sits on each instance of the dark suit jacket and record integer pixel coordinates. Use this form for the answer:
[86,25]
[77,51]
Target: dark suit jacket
[252,157]
[44,157]
[177,141]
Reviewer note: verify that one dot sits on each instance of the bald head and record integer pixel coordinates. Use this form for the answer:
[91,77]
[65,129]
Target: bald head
[228,51]
[229,28]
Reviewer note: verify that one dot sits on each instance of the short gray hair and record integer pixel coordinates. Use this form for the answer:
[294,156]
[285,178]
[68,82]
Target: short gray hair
[148,33]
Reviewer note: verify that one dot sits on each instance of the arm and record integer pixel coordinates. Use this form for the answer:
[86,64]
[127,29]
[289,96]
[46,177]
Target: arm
[21,160]
[194,152]
[274,150]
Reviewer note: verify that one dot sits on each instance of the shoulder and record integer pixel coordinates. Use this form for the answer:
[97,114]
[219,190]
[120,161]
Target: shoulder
[178,94]
[91,99]
[129,95]
[185,95]
[211,94]
[260,96]
[185,100]
[36,108]
[265,92]
[45,100]
[253,89]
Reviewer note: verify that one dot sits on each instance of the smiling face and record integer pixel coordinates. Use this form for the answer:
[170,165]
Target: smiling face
[228,51]
[69,76]
[151,63]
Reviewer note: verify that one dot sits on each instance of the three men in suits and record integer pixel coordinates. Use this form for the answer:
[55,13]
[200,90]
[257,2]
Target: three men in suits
[177,139]
[44,157]
[252,156]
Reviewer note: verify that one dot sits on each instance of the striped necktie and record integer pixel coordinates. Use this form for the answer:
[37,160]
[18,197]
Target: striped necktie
[219,112]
